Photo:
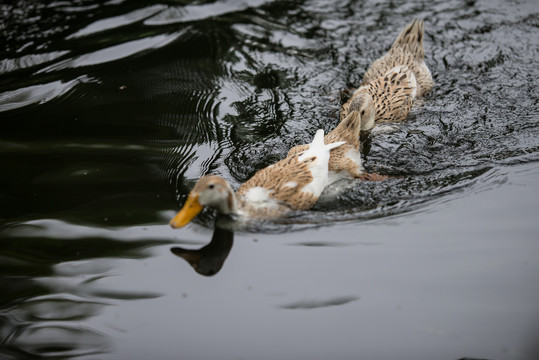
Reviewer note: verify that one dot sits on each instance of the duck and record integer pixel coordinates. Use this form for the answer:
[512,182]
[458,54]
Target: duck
[293,183]
[345,160]
[395,81]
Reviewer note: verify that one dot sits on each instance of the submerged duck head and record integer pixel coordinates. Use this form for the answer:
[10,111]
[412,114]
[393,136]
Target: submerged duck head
[364,105]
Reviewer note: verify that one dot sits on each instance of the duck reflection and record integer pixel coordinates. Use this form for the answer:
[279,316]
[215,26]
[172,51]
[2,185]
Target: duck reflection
[209,259]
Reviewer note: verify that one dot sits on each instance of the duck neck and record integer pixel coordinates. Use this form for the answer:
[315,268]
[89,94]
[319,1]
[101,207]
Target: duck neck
[231,203]
[369,122]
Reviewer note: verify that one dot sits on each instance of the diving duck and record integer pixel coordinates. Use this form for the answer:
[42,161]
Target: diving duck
[396,80]
[294,183]
[345,160]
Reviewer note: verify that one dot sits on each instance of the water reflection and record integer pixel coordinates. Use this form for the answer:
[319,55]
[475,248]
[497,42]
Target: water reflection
[315,304]
[209,259]
[36,94]
[180,14]
[40,320]
[53,283]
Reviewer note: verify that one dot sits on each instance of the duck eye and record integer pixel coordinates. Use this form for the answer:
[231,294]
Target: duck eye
[211,186]
[362,112]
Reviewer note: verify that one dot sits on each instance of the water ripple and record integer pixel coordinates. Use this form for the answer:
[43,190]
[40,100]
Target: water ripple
[181,14]
[59,230]
[114,53]
[56,308]
[27,61]
[60,341]
[115,22]
[37,94]
[55,282]
[315,304]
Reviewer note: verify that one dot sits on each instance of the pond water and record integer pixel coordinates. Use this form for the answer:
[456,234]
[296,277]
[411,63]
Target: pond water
[110,111]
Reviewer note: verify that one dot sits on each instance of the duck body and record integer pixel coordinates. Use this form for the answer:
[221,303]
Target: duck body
[344,160]
[407,50]
[397,79]
[392,96]
[294,183]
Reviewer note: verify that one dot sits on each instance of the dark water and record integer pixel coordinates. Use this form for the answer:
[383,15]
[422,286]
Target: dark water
[110,111]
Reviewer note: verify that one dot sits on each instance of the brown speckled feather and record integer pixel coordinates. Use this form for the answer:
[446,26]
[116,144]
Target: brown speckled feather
[289,197]
[392,95]
[407,50]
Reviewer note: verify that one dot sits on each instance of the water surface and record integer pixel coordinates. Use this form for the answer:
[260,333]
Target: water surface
[110,111]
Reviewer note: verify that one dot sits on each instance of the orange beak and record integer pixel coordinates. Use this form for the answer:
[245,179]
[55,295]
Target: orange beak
[190,209]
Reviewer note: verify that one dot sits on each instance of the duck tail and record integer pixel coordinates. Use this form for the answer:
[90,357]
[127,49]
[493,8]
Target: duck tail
[318,141]
[317,148]
[411,39]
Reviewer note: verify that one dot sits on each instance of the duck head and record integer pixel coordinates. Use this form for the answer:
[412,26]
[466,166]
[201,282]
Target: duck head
[364,105]
[211,191]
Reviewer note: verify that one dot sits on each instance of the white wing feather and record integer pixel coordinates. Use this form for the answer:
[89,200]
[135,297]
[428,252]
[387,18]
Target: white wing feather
[319,167]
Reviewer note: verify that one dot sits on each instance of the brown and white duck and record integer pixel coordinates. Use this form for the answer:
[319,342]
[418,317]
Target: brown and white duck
[294,183]
[345,160]
[394,81]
